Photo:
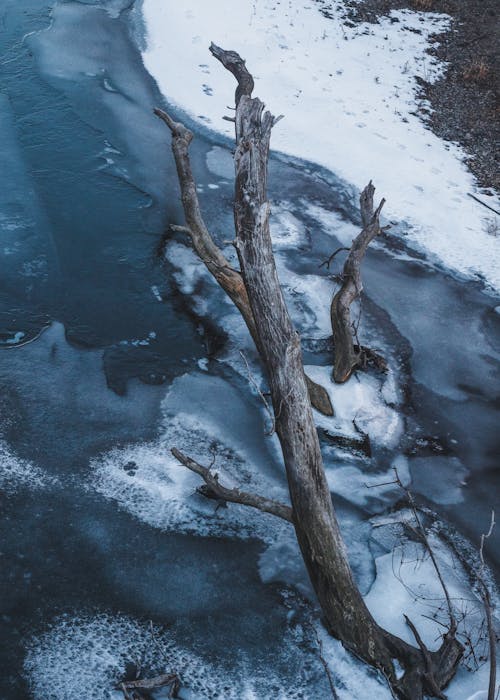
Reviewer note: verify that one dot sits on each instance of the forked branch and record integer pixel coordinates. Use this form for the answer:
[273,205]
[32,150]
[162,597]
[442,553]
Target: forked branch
[217,264]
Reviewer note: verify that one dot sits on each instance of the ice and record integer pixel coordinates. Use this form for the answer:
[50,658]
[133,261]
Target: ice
[220,163]
[208,419]
[441,479]
[71,387]
[287,231]
[350,100]
[432,316]
[17,473]
[86,655]
[113,7]
[90,57]
[26,248]
[190,268]
[331,222]
[359,487]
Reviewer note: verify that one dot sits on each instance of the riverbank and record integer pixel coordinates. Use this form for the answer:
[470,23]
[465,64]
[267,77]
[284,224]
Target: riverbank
[465,100]
[352,99]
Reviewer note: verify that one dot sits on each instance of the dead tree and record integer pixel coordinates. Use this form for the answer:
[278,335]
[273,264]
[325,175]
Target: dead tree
[217,264]
[257,293]
[347,355]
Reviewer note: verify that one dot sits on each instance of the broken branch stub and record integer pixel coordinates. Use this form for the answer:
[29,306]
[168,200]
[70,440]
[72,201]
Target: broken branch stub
[347,355]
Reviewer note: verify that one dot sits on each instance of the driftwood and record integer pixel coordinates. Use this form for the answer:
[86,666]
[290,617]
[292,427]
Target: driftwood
[345,613]
[207,250]
[148,684]
[348,356]
[214,489]
[486,596]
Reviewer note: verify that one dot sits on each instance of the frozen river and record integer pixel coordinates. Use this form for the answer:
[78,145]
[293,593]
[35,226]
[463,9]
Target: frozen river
[115,346]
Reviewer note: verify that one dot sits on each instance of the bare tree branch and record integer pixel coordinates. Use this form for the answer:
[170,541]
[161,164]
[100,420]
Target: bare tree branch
[229,279]
[216,490]
[233,62]
[486,596]
[346,355]
[329,259]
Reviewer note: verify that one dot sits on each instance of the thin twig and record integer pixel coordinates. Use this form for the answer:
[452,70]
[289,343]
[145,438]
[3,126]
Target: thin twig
[324,661]
[485,595]
[268,408]
[480,201]
[328,261]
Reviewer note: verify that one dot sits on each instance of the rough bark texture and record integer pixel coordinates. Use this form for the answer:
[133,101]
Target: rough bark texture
[229,279]
[214,489]
[347,355]
[315,524]
[345,613]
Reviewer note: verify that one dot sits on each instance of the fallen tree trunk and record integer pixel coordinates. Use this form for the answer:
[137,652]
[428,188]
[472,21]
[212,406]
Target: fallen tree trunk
[345,613]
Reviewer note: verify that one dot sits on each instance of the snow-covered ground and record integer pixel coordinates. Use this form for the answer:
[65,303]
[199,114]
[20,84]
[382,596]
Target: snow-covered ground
[349,96]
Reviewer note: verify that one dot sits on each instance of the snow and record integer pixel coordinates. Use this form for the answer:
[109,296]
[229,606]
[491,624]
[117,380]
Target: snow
[84,656]
[349,96]
[361,400]
[146,480]
[17,473]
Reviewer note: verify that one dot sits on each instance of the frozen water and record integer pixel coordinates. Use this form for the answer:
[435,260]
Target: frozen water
[83,656]
[440,478]
[72,388]
[17,473]
[26,247]
[89,66]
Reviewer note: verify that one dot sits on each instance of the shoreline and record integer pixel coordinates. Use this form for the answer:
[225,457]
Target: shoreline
[374,131]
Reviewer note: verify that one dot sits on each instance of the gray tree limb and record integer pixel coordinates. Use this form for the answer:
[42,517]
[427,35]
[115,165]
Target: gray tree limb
[217,264]
[347,356]
[217,490]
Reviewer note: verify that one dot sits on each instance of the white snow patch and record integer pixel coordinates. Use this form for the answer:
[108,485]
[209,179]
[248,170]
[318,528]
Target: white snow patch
[331,222]
[286,230]
[149,482]
[360,400]
[349,96]
[85,657]
[17,473]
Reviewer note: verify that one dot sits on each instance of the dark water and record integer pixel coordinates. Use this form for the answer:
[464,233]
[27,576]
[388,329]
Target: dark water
[88,191]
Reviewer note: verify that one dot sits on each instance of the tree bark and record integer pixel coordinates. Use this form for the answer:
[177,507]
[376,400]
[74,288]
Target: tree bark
[317,530]
[347,355]
[214,489]
[229,279]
